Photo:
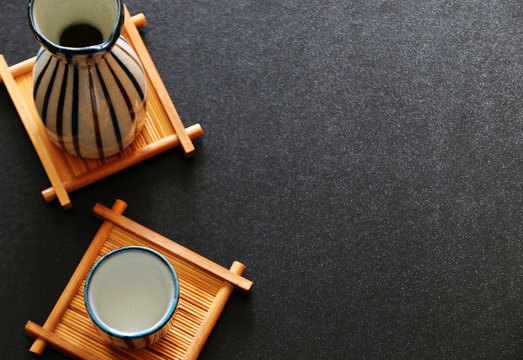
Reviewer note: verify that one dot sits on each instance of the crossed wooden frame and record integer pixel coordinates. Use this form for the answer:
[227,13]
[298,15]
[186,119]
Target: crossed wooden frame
[163,128]
[205,288]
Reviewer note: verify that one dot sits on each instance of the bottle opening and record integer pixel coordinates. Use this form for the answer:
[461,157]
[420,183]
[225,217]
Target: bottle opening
[75,23]
[81,35]
[132,290]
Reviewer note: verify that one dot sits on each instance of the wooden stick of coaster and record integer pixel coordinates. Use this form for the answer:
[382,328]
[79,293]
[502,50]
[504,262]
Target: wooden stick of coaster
[213,314]
[36,133]
[22,67]
[152,237]
[124,162]
[58,342]
[27,65]
[156,80]
[78,276]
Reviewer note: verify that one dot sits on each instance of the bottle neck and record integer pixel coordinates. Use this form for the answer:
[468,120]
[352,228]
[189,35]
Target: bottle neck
[82,60]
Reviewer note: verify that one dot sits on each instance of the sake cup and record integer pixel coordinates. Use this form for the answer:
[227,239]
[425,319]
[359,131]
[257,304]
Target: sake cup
[131,295]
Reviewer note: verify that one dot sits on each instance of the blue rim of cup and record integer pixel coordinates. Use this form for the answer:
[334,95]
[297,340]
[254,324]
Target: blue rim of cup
[160,324]
[57,49]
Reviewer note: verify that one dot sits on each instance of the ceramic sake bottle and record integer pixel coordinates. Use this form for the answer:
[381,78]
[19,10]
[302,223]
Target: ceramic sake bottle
[88,83]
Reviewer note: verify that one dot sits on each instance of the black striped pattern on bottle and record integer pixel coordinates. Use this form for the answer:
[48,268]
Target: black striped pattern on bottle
[122,91]
[94,109]
[74,112]
[60,108]
[111,108]
[130,75]
[116,68]
[48,92]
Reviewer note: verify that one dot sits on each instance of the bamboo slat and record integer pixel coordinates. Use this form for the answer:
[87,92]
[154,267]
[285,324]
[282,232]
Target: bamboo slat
[58,342]
[163,129]
[203,296]
[79,274]
[41,143]
[156,239]
[214,313]
[157,82]
[127,160]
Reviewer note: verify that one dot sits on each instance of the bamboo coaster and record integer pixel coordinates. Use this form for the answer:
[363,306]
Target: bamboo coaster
[205,288]
[163,129]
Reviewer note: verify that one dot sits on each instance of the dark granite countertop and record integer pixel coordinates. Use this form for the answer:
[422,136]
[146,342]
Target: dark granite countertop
[361,158]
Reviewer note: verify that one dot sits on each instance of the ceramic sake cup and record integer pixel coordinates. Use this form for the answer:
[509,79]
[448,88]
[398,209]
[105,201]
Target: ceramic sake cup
[131,295]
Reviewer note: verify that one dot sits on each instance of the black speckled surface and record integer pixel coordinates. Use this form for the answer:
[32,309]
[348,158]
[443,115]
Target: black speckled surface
[362,158]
